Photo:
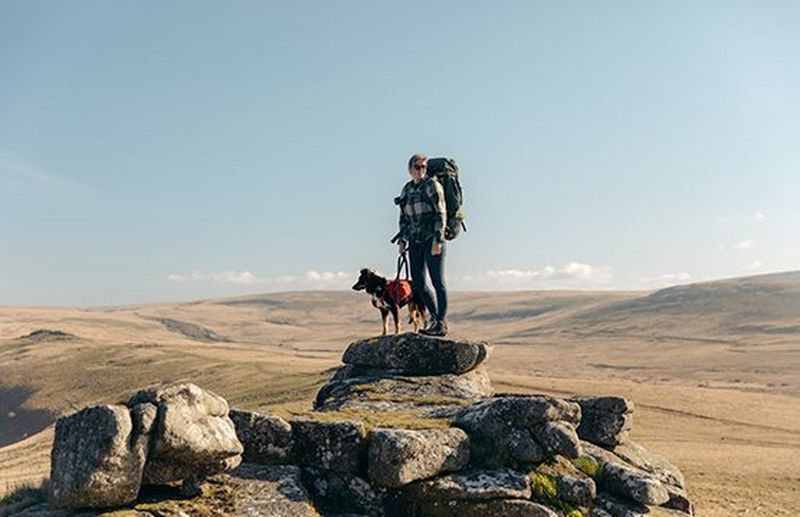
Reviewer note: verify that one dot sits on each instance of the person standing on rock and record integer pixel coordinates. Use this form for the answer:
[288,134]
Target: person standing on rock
[423,219]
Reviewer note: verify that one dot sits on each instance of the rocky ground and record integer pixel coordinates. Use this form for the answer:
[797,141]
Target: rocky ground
[179,450]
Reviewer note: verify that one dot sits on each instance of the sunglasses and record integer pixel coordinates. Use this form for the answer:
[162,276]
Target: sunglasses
[420,167]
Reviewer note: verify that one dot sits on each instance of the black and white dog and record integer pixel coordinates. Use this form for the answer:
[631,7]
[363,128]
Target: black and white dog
[385,302]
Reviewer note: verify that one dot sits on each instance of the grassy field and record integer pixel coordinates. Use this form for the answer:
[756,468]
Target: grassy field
[712,368]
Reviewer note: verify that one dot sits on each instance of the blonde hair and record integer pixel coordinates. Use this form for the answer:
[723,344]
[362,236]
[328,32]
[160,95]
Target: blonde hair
[415,158]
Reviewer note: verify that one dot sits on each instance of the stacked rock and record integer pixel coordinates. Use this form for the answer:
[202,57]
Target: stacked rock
[468,453]
[103,454]
[409,372]
[529,455]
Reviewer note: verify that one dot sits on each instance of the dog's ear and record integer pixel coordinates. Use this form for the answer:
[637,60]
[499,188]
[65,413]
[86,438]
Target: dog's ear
[364,272]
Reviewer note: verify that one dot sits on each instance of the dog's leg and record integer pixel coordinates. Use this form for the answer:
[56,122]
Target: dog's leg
[384,319]
[396,316]
[421,315]
[413,316]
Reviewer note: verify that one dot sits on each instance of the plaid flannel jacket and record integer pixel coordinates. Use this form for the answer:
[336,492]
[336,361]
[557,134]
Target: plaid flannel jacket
[423,212]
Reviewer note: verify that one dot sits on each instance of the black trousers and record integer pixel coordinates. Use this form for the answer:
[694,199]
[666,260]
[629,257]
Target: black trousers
[422,260]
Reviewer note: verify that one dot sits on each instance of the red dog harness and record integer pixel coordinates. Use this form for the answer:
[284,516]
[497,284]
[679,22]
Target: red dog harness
[399,291]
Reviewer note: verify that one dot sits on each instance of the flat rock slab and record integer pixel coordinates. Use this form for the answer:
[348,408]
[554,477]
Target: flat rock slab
[523,411]
[607,505]
[416,354]
[343,494]
[43,510]
[472,485]
[400,456]
[351,388]
[269,490]
[493,508]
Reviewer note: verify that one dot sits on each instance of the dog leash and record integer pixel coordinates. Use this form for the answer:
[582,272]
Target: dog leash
[402,263]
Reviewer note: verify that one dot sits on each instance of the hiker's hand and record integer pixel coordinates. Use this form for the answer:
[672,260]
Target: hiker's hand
[437,248]
[402,246]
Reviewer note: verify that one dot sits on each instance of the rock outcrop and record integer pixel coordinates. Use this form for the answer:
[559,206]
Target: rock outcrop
[605,420]
[97,459]
[46,334]
[409,373]
[102,455]
[408,426]
[191,437]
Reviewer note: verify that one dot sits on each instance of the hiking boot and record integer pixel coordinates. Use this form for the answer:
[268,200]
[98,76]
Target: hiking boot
[431,325]
[439,329]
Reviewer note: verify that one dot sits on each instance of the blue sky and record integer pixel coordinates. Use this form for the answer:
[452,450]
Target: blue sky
[154,151]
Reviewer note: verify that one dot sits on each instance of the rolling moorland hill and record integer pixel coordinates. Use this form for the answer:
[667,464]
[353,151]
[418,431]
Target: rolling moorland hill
[711,366]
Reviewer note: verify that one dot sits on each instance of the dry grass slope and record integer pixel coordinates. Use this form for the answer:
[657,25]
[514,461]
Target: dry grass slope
[712,367]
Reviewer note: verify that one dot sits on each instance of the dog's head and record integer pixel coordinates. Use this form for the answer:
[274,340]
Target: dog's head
[368,280]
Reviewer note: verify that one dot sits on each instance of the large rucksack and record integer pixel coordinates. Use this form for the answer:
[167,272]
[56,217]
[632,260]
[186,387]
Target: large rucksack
[445,171]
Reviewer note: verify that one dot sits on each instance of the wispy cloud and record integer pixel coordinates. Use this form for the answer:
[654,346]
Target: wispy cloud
[236,277]
[13,165]
[755,265]
[194,276]
[312,279]
[666,280]
[327,279]
[744,245]
[571,275]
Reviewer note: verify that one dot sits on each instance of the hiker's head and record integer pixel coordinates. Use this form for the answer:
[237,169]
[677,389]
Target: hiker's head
[417,166]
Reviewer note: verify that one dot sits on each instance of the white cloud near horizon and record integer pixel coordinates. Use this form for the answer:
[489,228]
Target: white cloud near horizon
[755,265]
[666,280]
[311,279]
[194,276]
[235,277]
[328,279]
[571,275]
[574,275]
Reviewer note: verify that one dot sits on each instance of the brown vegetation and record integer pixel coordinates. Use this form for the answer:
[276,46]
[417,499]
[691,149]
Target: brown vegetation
[711,368]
